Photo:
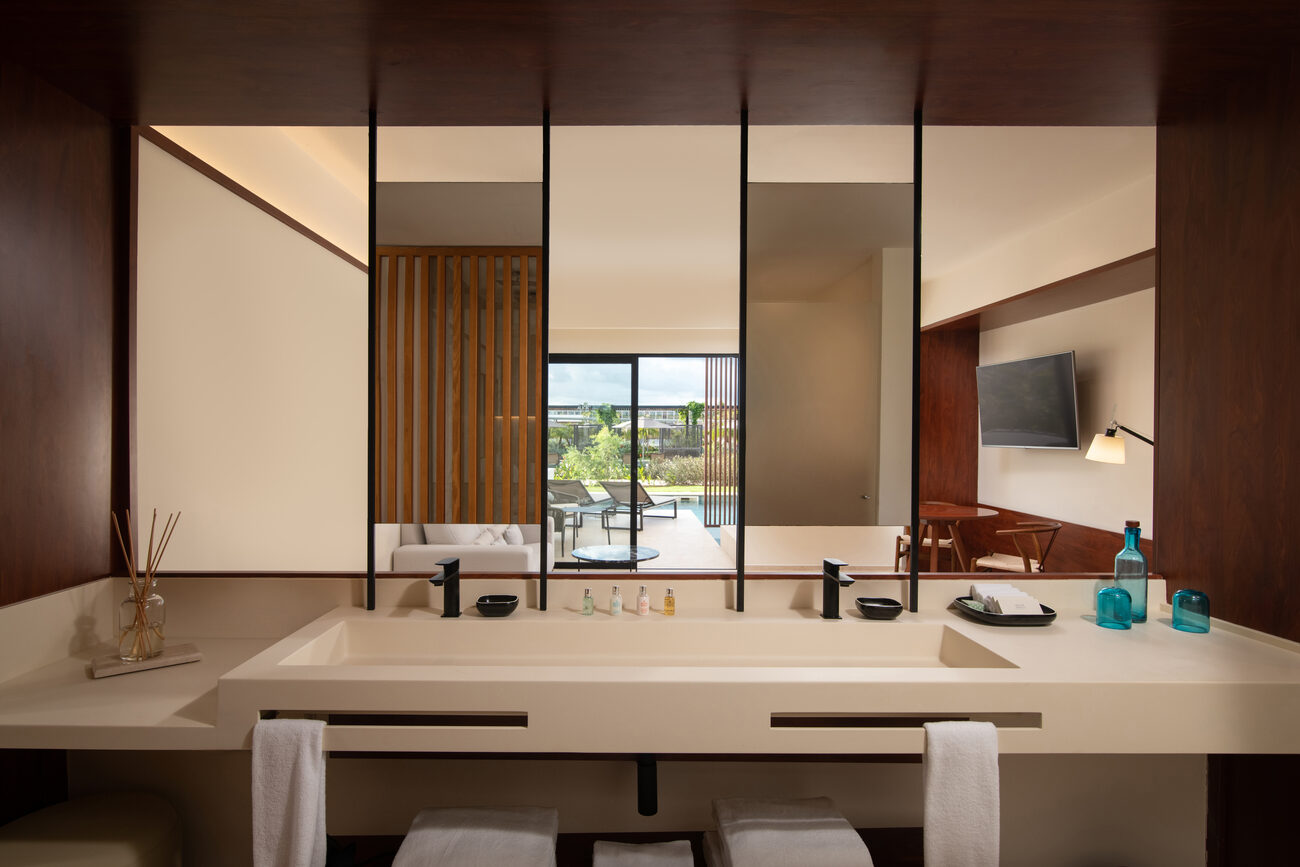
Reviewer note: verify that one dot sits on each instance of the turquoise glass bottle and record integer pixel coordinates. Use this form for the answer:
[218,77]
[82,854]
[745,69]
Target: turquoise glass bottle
[1131,571]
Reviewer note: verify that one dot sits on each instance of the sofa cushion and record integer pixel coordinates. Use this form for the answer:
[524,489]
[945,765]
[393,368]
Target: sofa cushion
[452,534]
[513,535]
[487,537]
[412,534]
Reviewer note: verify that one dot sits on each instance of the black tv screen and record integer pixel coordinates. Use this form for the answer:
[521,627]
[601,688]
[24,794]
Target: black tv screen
[1029,404]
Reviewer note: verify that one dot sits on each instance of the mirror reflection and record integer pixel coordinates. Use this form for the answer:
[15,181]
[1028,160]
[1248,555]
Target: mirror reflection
[250,318]
[829,346]
[459,446]
[1038,244]
[644,326]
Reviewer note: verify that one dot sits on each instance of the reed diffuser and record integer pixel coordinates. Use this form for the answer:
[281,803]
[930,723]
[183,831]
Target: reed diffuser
[142,615]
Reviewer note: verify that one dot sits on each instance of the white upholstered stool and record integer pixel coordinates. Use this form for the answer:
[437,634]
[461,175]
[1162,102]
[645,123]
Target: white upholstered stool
[121,829]
[481,837]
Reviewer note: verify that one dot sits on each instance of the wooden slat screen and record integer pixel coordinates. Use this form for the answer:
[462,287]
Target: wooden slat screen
[721,417]
[459,366]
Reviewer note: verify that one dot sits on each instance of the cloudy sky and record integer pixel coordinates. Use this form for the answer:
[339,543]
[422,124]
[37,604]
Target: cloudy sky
[669,381]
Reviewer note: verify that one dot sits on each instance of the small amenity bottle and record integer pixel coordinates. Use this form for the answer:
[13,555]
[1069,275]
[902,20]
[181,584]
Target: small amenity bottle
[615,601]
[670,603]
[1131,571]
[642,601]
[588,604]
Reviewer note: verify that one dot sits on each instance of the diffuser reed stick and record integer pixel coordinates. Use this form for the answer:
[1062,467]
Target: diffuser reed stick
[140,618]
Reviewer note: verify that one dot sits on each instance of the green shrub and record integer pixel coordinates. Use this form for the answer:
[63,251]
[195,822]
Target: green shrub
[603,459]
[679,470]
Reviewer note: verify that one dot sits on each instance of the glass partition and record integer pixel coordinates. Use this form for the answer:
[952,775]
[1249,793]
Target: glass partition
[644,252]
[250,329]
[827,407]
[1038,242]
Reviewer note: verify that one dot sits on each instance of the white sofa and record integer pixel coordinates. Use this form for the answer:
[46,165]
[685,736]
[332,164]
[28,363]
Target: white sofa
[480,547]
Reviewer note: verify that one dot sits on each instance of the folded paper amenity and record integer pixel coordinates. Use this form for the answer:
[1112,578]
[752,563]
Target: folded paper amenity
[777,832]
[1004,599]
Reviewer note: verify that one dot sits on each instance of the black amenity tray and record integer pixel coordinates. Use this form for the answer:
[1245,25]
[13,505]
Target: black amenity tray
[963,605]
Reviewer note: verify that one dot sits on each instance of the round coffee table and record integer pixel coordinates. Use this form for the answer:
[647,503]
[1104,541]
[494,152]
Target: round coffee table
[614,555]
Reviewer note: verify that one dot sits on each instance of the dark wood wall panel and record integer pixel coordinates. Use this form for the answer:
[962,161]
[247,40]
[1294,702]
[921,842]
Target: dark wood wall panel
[57,211]
[628,62]
[949,451]
[1077,548]
[1228,422]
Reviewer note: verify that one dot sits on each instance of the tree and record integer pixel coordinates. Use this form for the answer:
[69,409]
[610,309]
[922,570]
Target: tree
[603,459]
[695,409]
[607,414]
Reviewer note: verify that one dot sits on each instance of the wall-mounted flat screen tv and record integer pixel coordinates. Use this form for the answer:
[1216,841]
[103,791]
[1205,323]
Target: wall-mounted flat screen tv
[1029,404]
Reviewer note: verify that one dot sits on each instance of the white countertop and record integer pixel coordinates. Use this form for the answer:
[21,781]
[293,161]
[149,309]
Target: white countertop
[1069,687]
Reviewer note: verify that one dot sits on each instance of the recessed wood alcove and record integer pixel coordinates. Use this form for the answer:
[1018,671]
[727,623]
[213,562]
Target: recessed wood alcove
[949,449]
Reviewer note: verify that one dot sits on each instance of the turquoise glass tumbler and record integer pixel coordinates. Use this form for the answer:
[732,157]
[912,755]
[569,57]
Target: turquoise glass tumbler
[1114,608]
[1191,611]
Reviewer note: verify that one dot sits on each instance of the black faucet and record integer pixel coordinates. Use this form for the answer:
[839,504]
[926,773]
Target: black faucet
[449,580]
[832,581]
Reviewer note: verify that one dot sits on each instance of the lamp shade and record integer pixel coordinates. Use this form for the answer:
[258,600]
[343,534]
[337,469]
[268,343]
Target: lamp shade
[1106,448]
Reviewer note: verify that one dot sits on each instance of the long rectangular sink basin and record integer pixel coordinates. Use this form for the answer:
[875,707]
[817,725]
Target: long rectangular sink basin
[472,641]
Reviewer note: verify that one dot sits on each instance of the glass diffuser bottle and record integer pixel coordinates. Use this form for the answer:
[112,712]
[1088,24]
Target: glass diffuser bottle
[140,624]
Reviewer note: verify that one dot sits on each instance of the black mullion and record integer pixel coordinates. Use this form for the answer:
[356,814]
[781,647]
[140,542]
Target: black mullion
[634,431]
[544,335]
[740,360]
[371,275]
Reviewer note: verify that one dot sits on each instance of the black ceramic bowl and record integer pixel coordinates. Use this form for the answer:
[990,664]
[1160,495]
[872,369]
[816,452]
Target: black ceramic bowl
[496,604]
[879,607]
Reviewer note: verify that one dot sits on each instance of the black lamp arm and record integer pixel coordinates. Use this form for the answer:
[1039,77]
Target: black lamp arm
[1130,432]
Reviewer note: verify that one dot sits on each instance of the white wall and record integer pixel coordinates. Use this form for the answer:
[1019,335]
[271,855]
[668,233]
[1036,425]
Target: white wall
[812,405]
[645,230]
[1008,209]
[1119,225]
[1114,346]
[894,498]
[251,382]
[315,175]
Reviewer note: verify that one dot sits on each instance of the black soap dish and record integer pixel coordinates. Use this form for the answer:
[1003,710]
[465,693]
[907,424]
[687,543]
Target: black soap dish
[879,607]
[496,604]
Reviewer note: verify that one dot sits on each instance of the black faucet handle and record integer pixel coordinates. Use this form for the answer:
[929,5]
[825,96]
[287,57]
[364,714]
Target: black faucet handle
[450,569]
[831,569]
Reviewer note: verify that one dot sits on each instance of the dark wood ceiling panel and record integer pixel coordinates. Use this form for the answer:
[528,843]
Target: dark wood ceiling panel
[618,61]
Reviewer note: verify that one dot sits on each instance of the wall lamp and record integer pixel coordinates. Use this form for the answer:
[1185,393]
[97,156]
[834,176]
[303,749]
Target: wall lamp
[1109,448]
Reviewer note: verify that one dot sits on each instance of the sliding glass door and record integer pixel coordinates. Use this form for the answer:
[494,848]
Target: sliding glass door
[641,453]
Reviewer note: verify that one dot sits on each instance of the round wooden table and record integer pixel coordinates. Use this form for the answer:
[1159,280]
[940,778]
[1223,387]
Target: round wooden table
[941,516]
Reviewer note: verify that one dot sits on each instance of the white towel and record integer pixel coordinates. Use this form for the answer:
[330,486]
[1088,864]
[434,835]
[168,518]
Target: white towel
[676,853]
[288,793]
[480,837]
[713,856]
[760,832]
[962,811]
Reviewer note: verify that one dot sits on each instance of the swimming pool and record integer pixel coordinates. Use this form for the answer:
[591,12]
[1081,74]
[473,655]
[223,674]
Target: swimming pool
[694,503]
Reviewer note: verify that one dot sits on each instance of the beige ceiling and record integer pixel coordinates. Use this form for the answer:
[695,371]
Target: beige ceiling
[804,238]
[645,220]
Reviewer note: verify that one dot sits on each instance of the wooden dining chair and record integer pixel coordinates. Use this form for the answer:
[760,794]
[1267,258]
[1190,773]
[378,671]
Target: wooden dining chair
[903,542]
[1031,549]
